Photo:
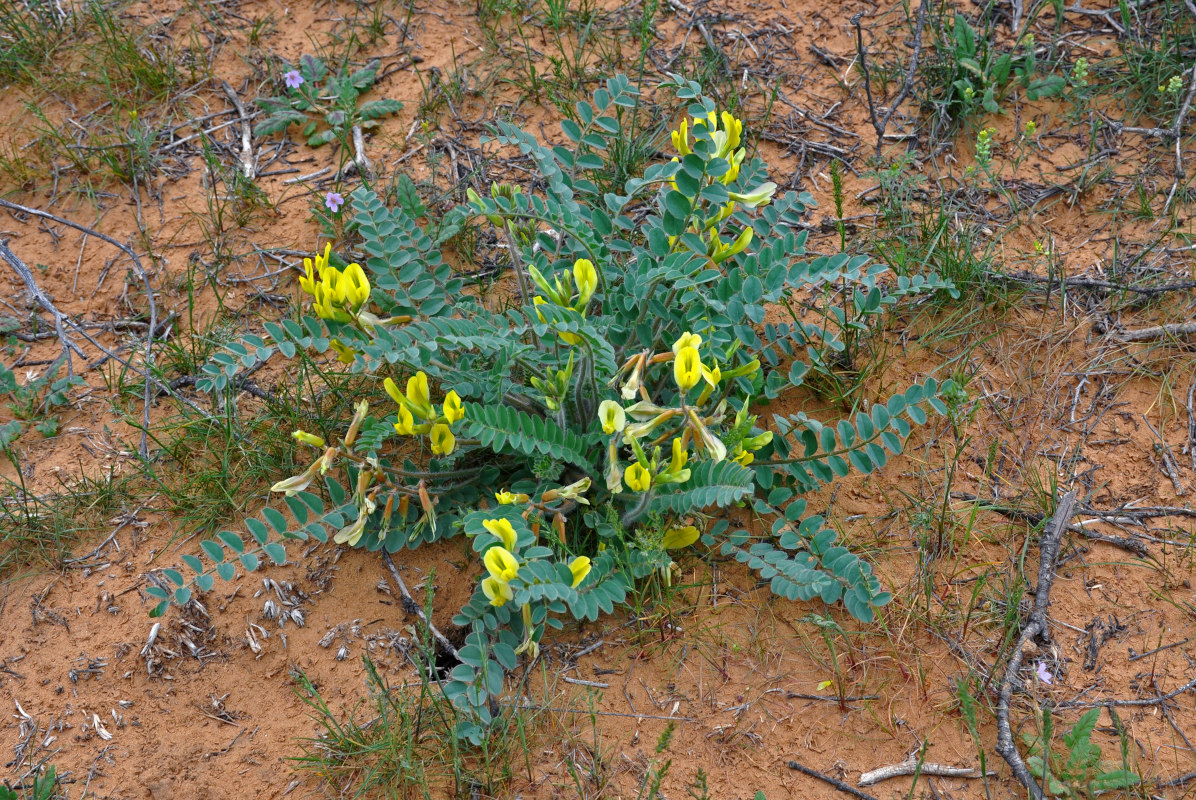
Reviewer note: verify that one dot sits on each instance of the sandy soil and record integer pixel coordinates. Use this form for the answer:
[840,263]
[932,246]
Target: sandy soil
[206,704]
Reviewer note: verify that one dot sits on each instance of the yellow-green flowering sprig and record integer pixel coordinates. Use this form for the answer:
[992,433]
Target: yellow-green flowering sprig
[416,404]
[720,136]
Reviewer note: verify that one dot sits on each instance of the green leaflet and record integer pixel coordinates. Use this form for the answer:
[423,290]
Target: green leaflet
[506,429]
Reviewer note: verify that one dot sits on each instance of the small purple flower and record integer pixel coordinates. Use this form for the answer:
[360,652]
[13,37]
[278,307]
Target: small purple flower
[333,201]
[1044,674]
[294,79]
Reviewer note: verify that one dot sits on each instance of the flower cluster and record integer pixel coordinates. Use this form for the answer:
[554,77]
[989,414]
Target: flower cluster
[416,404]
[502,566]
[629,425]
[717,139]
[584,276]
[338,295]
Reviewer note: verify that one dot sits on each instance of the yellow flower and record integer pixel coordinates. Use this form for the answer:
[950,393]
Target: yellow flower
[308,282]
[724,251]
[586,278]
[687,339]
[498,592]
[760,196]
[580,567]
[680,456]
[406,423]
[453,408]
[501,564]
[443,440]
[417,398]
[503,529]
[744,458]
[326,302]
[680,138]
[308,438]
[573,491]
[676,538]
[344,353]
[637,478]
[351,533]
[392,389]
[354,286]
[322,259]
[713,445]
[687,368]
[613,418]
[509,499]
[712,378]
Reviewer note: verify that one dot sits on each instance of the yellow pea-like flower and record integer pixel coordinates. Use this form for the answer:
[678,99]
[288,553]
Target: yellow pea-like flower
[322,259]
[496,591]
[308,438]
[453,407]
[680,138]
[503,529]
[308,282]
[676,538]
[586,278]
[687,339]
[680,456]
[612,416]
[502,566]
[351,533]
[637,478]
[442,439]
[418,395]
[344,353]
[405,426]
[354,286]
[724,251]
[687,368]
[744,458]
[580,567]
[510,499]
[392,389]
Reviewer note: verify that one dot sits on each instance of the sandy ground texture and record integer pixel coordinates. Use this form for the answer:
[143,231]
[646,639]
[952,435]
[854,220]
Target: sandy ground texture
[208,702]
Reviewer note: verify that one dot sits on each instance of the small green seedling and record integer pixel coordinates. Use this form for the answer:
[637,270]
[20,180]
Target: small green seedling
[1079,772]
[316,95]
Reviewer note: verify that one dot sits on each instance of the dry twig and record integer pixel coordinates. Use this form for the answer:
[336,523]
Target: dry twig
[412,607]
[149,295]
[1036,627]
[910,765]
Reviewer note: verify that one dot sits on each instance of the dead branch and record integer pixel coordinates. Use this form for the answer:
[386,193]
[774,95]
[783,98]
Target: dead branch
[149,296]
[1173,331]
[1057,282]
[246,131]
[1036,627]
[412,607]
[910,765]
[35,292]
[907,85]
[838,784]
[1149,701]
[1033,517]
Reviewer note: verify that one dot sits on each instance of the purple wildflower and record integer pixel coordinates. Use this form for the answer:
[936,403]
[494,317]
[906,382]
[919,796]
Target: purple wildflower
[333,201]
[1044,674]
[293,79]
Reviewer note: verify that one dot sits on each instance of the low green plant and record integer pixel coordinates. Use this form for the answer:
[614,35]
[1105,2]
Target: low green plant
[973,75]
[1077,772]
[325,103]
[43,786]
[38,396]
[584,436]
[32,32]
